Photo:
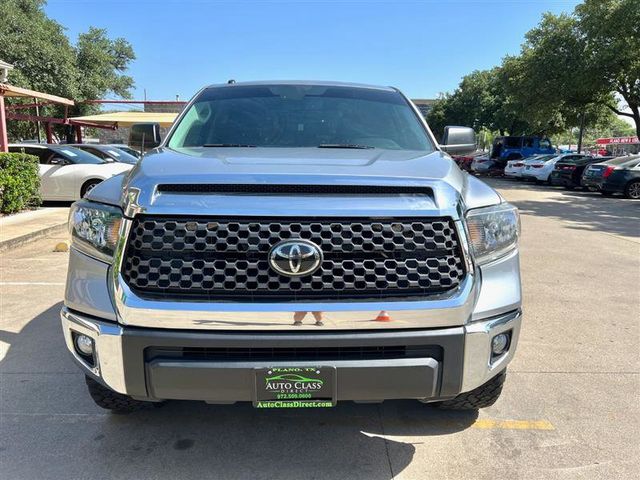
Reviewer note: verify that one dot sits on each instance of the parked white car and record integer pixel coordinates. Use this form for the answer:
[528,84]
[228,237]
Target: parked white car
[481,164]
[540,169]
[67,173]
[514,168]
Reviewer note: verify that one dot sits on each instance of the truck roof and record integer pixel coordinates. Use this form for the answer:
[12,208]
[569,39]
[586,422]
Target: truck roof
[303,82]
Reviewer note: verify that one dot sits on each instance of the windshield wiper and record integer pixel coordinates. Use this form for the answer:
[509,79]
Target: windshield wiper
[238,145]
[345,145]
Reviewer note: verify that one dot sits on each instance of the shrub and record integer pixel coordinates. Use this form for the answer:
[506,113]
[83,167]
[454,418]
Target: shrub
[19,182]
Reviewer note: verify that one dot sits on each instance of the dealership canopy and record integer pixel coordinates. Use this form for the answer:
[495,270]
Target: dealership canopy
[126,119]
[12,91]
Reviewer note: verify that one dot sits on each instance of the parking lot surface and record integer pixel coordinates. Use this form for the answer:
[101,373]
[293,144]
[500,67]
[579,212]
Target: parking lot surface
[569,410]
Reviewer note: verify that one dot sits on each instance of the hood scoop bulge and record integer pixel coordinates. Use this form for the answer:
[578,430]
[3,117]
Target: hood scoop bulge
[291,189]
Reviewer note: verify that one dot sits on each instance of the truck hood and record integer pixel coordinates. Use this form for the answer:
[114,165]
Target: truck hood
[445,185]
[201,165]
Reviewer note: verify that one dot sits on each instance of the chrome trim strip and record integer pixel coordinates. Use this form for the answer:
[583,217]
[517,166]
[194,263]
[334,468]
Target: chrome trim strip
[443,311]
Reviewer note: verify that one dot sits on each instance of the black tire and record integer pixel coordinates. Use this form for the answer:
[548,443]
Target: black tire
[632,190]
[114,401]
[88,186]
[481,397]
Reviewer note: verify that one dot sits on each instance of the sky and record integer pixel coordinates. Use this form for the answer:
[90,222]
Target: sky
[422,47]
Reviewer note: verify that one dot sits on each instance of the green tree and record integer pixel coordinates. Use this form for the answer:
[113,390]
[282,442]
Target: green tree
[45,60]
[611,32]
[480,101]
[548,77]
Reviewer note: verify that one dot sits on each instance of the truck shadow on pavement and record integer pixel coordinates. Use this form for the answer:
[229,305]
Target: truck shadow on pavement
[44,407]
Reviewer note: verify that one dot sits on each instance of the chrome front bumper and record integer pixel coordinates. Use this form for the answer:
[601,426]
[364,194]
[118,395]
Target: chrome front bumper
[121,365]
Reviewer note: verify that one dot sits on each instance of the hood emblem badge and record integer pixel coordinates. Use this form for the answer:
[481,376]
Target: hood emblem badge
[295,258]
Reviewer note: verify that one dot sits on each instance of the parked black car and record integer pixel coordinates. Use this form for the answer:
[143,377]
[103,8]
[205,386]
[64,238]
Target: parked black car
[593,175]
[623,178]
[107,153]
[568,173]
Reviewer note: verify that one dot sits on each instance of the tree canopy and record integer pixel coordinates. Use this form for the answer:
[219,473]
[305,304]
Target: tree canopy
[572,69]
[45,60]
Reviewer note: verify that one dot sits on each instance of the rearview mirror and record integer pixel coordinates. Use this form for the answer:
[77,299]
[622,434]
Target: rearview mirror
[458,140]
[144,136]
[58,161]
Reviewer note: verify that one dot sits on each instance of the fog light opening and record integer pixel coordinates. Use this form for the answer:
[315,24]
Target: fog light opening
[84,347]
[500,344]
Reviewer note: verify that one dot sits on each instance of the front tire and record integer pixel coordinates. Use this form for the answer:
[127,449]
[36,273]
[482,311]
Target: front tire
[113,401]
[88,186]
[481,397]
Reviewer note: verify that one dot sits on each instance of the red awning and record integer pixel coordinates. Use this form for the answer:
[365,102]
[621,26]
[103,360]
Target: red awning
[617,140]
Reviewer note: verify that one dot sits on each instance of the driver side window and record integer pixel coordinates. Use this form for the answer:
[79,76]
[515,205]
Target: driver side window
[97,153]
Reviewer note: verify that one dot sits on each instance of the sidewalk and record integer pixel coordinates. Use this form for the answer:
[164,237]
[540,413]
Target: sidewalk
[21,228]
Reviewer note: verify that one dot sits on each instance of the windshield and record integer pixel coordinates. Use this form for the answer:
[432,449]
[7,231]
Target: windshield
[120,155]
[300,116]
[75,155]
[512,142]
[543,158]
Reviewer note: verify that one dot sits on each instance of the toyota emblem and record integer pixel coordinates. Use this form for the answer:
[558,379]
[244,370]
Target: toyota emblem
[295,258]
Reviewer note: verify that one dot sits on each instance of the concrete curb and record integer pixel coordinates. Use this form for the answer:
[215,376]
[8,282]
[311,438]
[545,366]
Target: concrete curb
[31,237]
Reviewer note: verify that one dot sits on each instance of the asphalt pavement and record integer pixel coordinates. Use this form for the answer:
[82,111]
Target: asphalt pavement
[569,410]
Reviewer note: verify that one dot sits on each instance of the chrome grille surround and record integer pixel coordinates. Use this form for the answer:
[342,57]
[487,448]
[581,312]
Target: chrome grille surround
[227,258]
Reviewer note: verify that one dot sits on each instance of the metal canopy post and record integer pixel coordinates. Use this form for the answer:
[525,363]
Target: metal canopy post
[4,141]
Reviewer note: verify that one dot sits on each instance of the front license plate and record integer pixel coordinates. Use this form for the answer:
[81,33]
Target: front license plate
[295,387]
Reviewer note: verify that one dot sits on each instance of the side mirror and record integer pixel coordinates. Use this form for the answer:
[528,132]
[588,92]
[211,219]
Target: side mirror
[144,136]
[58,161]
[458,140]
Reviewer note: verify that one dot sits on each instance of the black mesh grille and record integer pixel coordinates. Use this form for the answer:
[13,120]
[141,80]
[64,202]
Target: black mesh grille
[227,259]
[255,188]
[292,354]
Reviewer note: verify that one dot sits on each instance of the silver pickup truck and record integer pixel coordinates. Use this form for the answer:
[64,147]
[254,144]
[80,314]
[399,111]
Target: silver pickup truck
[294,244]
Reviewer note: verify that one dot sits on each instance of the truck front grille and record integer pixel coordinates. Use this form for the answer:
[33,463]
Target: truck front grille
[227,259]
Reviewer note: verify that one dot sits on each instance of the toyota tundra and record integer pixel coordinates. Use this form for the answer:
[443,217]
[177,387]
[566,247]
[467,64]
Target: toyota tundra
[294,244]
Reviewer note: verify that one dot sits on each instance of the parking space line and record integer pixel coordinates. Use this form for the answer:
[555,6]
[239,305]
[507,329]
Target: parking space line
[487,424]
[31,283]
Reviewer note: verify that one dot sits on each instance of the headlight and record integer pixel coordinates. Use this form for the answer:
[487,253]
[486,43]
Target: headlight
[95,228]
[493,231]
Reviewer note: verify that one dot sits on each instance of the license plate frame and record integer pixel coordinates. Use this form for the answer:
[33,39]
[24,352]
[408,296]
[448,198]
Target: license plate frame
[295,387]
